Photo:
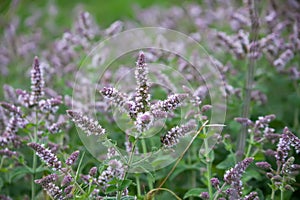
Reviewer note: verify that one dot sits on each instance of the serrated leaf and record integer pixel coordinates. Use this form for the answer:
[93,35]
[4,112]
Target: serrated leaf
[195,192]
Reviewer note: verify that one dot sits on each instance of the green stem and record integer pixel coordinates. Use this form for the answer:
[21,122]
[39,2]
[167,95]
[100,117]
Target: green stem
[219,191]
[250,145]
[281,194]
[119,193]
[249,80]
[34,159]
[273,194]
[144,147]
[130,158]
[138,185]
[208,162]
[273,182]
[208,167]
[77,174]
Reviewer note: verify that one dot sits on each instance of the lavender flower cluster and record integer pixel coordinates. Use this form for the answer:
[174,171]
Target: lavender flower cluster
[142,111]
[36,104]
[232,178]
[90,126]
[31,117]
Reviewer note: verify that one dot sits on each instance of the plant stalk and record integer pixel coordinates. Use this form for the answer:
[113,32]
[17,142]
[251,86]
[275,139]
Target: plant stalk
[250,78]
[34,159]
[150,184]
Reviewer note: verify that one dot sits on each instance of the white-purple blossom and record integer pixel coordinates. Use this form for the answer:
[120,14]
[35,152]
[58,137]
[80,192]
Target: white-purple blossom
[37,83]
[142,95]
[172,137]
[233,177]
[88,125]
[46,155]
[72,158]
[115,169]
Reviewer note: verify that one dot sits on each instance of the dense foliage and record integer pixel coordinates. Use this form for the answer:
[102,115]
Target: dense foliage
[146,119]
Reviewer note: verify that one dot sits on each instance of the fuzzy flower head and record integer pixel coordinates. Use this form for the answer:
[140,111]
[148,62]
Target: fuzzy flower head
[46,155]
[54,191]
[89,126]
[50,105]
[37,82]
[171,103]
[93,171]
[234,175]
[115,170]
[8,153]
[172,137]
[287,140]
[142,95]
[73,157]
[204,195]
[47,179]
[66,180]
[23,97]
[215,182]
[16,114]
[263,165]
[48,185]
[144,121]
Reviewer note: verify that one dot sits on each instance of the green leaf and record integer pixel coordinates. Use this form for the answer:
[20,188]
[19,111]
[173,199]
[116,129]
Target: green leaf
[125,184]
[184,167]
[251,173]
[195,192]
[17,173]
[111,188]
[227,163]
[114,181]
[41,169]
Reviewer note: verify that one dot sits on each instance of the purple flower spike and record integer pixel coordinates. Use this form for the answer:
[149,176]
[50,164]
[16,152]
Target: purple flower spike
[73,157]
